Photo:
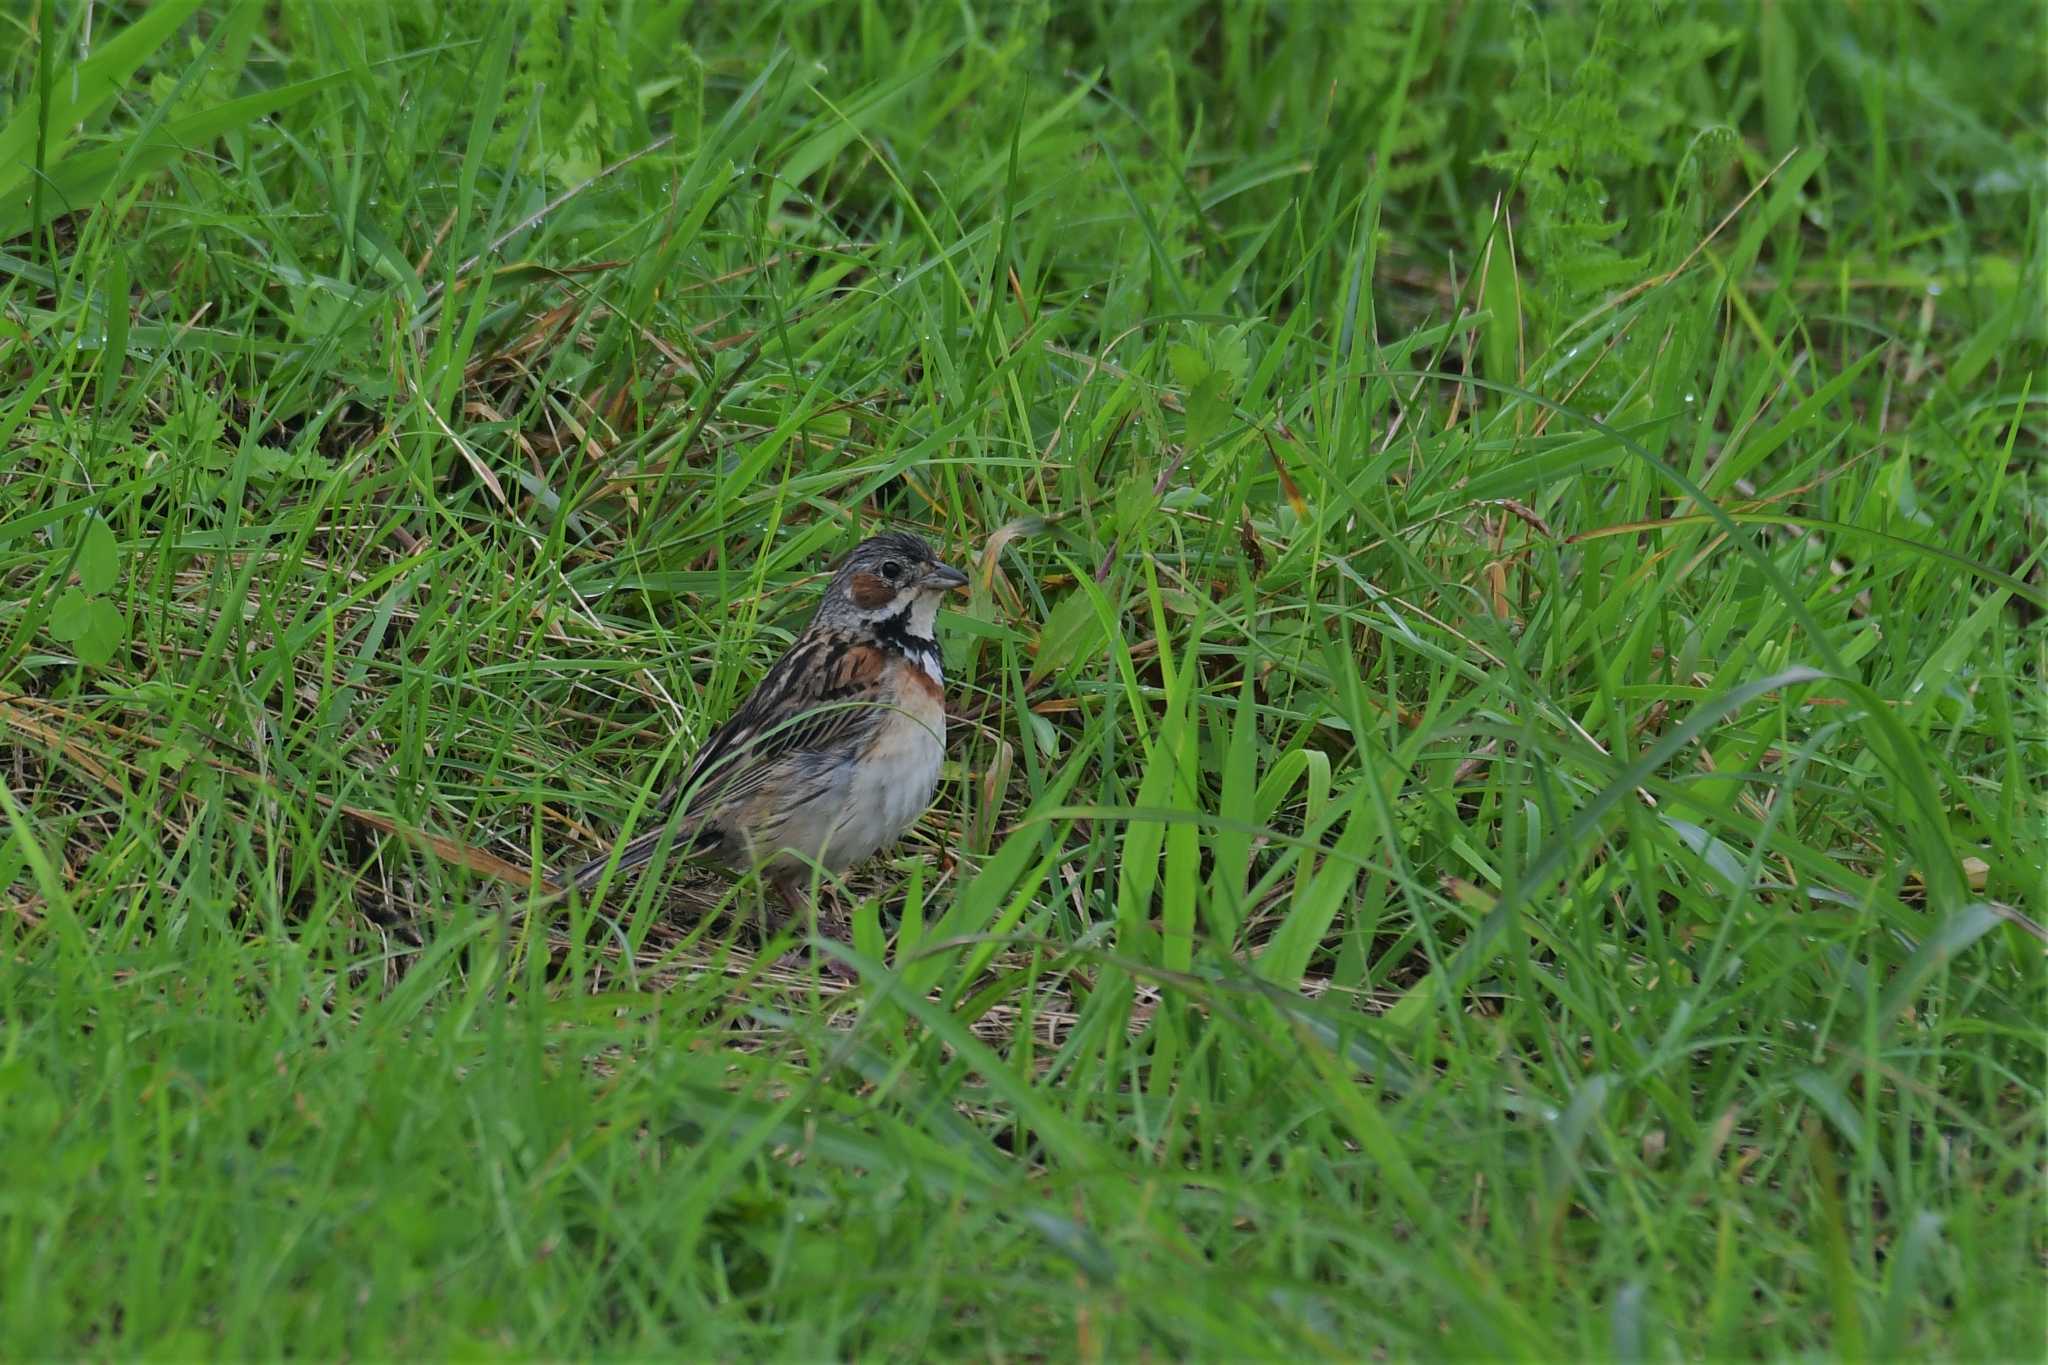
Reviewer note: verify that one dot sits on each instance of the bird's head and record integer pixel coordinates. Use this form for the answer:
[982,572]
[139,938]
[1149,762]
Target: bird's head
[891,582]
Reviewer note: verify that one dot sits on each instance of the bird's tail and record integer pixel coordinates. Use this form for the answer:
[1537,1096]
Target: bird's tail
[680,837]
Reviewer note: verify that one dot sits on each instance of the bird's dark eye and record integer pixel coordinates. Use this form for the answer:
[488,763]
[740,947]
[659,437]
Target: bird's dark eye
[890,568]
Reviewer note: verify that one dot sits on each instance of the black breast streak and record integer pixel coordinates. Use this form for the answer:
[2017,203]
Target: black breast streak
[894,634]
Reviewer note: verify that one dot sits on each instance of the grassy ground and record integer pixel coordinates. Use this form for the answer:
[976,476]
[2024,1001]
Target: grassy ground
[1502,767]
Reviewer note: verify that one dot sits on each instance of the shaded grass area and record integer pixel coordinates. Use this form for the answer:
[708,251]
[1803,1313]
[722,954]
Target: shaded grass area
[1497,794]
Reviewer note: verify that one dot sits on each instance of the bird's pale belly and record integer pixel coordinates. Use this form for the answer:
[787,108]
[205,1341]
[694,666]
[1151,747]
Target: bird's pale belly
[863,807]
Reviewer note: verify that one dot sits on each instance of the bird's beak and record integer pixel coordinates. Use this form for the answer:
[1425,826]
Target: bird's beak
[941,577]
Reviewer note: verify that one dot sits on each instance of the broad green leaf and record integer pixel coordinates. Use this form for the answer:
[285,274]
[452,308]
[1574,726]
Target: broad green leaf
[1208,408]
[1206,379]
[1072,629]
[98,557]
[1190,367]
[68,617]
[92,626]
[105,631]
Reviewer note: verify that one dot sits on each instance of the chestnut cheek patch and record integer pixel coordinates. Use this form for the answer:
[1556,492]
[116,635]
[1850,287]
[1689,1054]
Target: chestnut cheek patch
[871,591]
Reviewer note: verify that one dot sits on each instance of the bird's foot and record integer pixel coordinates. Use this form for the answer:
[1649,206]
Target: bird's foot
[829,923]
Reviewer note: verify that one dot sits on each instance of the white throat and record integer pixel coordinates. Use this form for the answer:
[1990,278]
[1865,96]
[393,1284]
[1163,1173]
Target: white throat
[924,613]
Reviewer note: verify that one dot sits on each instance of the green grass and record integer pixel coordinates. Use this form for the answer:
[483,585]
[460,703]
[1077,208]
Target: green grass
[1503,776]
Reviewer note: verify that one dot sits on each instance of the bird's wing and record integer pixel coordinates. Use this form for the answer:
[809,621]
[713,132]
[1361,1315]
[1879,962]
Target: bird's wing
[826,694]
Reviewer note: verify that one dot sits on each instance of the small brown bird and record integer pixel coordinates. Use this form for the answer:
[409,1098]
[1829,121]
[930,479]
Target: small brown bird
[837,752]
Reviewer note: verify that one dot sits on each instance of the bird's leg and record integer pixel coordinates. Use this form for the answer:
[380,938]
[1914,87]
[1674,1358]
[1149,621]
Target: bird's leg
[797,910]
